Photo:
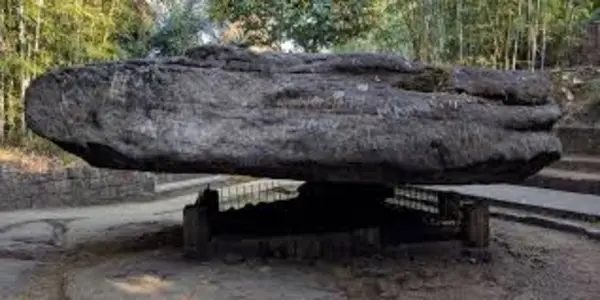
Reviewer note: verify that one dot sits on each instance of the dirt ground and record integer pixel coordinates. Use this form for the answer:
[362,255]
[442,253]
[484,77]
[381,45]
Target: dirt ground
[526,263]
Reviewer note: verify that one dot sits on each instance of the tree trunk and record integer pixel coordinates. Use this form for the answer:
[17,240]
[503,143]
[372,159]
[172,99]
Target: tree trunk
[22,79]
[517,36]
[544,38]
[2,112]
[461,50]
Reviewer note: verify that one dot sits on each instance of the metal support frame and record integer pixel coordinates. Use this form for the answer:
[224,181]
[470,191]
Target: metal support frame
[473,216]
[475,224]
[196,232]
[197,221]
[449,206]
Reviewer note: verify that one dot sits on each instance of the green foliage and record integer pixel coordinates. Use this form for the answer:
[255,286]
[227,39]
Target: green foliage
[135,29]
[500,34]
[310,24]
[38,35]
[180,32]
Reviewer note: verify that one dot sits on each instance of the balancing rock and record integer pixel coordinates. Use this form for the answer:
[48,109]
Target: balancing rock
[353,117]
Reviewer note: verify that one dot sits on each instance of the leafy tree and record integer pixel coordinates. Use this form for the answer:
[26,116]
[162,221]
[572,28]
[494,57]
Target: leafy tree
[184,25]
[179,33]
[310,24]
[136,25]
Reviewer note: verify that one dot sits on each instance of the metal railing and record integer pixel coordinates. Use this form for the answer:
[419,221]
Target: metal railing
[238,196]
[416,198]
[409,197]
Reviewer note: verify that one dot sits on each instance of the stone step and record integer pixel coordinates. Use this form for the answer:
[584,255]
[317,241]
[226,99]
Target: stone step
[578,163]
[563,180]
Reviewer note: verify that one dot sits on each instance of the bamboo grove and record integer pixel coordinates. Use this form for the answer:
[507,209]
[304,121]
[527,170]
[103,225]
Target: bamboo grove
[504,34]
[38,35]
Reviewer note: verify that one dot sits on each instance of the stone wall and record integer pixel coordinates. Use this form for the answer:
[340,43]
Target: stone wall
[71,187]
[580,140]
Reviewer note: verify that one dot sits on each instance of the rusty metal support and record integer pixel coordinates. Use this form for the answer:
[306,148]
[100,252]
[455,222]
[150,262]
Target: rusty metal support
[196,232]
[449,205]
[475,224]
[197,221]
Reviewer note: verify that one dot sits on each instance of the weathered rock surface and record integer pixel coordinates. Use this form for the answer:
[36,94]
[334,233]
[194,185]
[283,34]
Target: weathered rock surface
[370,118]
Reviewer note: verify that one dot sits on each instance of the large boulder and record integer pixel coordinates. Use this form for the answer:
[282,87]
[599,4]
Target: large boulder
[361,117]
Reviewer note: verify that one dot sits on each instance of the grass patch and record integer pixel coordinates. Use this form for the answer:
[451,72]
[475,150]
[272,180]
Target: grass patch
[36,155]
